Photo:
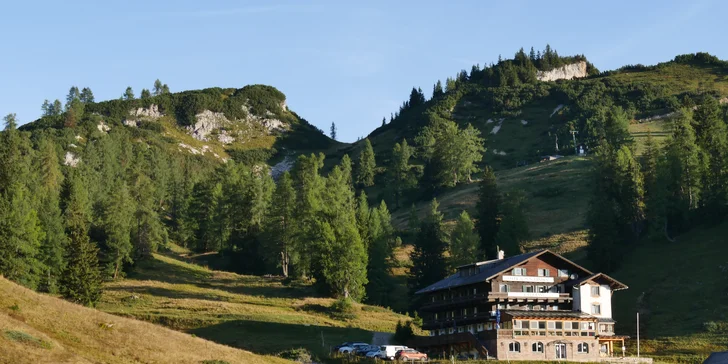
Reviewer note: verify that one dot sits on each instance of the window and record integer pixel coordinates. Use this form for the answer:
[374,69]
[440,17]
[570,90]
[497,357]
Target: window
[475,310]
[442,331]
[475,291]
[480,327]
[524,325]
[461,329]
[596,309]
[559,325]
[514,347]
[551,325]
[528,289]
[435,316]
[534,325]
[432,333]
[563,273]
[529,307]
[595,291]
[501,306]
[519,271]
[470,329]
[582,348]
[450,330]
[537,347]
[542,325]
[542,289]
[544,272]
[505,288]
[574,325]
[585,326]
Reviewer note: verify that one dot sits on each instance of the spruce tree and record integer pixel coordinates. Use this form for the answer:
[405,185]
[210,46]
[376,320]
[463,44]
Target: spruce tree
[712,138]
[129,94]
[429,264]
[367,165]
[379,269]
[81,280]
[87,96]
[309,186]
[513,229]
[488,213]
[684,171]
[145,94]
[362,218]
[399,171]
[333,131]
[464,242]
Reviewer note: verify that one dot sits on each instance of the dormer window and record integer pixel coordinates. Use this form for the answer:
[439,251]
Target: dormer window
[544,272]
[519,271]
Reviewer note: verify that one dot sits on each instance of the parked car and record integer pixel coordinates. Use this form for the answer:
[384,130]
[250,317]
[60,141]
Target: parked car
[364,350]
[337,347]
[389,351]
[350,348]
[373,354]
[410,354]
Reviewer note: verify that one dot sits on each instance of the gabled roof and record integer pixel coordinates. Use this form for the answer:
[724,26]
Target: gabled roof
[614,284]
[490,269]
[485,270]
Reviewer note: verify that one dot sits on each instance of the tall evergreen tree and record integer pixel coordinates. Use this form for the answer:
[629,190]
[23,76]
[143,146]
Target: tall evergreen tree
[367,165]
[488,213]
[129,94]
[464,241]
[118,212]
[81,280]
[309,186]
[363,216]
[145,94]
[712,138]
[513,229]
[87,96]
[437,90]
[333,131]
[683,172]
[429,264]
[281,222]
[379,269]
[399,171]
[73,95]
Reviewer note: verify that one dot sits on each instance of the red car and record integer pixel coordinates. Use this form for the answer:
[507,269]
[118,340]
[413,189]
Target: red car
[410,354]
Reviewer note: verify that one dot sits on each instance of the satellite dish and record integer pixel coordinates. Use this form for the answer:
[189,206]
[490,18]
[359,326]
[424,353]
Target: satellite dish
[574,276]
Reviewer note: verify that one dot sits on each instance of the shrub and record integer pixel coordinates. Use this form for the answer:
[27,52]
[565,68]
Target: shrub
[715,327]
[403,332]
[214,362]
[343,309]
[299,355]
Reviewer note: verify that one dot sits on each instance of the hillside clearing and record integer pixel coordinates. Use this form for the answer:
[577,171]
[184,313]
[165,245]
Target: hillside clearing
[36,328]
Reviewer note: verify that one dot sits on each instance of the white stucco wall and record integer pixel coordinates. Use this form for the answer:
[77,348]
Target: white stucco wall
[583,300]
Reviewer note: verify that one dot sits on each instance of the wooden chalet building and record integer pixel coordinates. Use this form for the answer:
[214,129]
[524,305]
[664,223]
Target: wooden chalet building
[533,306]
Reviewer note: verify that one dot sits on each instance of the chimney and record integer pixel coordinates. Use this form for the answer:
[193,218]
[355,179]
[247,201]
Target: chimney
[501,254]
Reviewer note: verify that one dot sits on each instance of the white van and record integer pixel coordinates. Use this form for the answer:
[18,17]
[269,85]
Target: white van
[388,351]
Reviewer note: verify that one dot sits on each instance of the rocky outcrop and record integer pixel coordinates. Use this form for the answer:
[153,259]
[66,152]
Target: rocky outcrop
[103,127]
[283,166]
[71,160]
[574,70]
[207,122]
[143,113]
[267,121]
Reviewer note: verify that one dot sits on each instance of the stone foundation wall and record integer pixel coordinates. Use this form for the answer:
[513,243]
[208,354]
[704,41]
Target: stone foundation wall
[549,346]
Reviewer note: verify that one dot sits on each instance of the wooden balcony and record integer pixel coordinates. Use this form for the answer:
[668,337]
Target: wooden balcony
[455,301]
[529,297]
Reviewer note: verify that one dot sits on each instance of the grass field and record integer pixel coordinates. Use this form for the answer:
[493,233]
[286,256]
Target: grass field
[259,314]
[36,328]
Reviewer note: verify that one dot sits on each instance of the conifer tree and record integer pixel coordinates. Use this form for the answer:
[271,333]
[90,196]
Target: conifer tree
[429,264]
[367,165]
[54,245]
[281,222]
[73,95]
[513,229]
[309,186]
[684,170]
[129,94]
[437,90]
[712,138]
[379,268]
[81,280]
[145,94]
[488,213]
[57,108]
[117,218]
[87,96]
[398,170]
[158,87]
[333,131]
[464,242]
[363,218]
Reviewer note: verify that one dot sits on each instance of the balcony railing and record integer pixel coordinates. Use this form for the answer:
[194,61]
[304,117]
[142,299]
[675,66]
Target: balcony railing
[455,300]
[542,295]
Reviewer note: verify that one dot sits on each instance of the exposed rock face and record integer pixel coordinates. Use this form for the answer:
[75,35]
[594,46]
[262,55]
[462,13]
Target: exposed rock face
[269,123]
[574,70]
[207,122]
[283,166]
[136,115]
[70,159]
[556,109]
[103,127]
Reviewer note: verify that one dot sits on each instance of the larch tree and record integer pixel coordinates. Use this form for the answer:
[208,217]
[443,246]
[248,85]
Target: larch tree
[129,94]
[367,165]
[118,213]
[281,222]
[464,242]
[87,96]
[429,264]
[145,94]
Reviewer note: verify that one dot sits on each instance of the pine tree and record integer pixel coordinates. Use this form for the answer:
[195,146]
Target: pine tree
[398,170]
[464,242]
[129,94]
[367,165]
[281,222]
[145,94]
[158,87]
[429,264]
[333,131]
[379,269]
[73,95]
[57,108]
[437,90]
[81,280]
[683,168]
[513,229]
[47,108]
[488,212]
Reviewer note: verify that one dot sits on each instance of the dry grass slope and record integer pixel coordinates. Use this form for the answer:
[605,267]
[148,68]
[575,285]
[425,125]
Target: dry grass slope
[36,328]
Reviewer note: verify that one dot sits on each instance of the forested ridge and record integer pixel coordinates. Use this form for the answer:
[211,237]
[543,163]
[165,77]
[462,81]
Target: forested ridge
[67,227]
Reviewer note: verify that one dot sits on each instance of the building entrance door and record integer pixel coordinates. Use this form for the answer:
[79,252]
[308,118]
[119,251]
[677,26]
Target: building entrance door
[560,351]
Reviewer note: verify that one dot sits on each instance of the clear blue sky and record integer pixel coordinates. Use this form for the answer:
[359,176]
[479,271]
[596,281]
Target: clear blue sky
[342,61]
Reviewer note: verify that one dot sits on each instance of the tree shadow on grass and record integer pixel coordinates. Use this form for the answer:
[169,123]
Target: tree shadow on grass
[272,338]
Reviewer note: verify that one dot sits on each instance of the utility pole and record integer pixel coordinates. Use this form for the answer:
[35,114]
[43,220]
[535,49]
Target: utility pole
[638,334]
[573,136]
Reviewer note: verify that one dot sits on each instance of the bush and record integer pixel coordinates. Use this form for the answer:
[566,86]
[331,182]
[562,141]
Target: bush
[403,332]
[214,362]
[343,309]
[24,338]
[299,355]
[715,327]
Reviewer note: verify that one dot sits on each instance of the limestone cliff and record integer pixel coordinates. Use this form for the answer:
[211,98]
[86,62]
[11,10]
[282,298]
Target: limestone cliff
[574,70]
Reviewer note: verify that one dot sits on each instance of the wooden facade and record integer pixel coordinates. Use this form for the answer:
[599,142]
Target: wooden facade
[524,307]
